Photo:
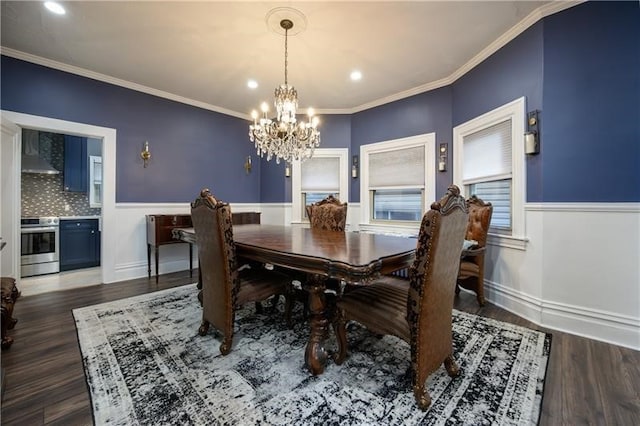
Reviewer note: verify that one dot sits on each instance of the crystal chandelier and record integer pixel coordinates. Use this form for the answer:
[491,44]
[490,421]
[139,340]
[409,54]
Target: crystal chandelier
[284,138]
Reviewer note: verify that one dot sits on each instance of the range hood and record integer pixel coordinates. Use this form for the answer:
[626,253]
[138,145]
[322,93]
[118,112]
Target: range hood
[32,162]
[37,164]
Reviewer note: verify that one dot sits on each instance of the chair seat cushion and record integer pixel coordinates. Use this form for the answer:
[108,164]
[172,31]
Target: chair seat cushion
[386,302]
[468,269]
[257,284]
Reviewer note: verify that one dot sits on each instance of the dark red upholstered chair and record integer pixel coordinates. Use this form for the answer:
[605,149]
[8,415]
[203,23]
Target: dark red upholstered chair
[471,274]
[224,287]
[420,311]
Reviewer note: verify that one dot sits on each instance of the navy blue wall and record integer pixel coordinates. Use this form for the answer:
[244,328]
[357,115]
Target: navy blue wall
[424,113]
[335,132]
[510,73]
[191,147]
[591,133]
[580,68]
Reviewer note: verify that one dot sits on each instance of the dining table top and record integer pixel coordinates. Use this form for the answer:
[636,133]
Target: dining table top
[352,256]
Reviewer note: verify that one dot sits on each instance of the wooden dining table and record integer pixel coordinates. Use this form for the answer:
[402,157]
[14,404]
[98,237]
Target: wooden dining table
[356,258]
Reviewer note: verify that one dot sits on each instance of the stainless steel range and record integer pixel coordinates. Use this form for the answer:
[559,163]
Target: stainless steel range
[40,247]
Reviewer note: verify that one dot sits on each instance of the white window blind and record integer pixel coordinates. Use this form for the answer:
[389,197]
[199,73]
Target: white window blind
[498,193]
[487,154]
[320,174]
[400,167]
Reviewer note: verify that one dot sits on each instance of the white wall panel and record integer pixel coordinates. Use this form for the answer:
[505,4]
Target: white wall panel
[578,272]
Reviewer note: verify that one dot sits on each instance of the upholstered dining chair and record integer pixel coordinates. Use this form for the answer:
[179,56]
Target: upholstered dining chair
[471,274]
[420,311]
[328,214]
[224,287]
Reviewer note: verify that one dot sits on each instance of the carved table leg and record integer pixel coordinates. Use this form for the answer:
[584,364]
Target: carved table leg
[315,356]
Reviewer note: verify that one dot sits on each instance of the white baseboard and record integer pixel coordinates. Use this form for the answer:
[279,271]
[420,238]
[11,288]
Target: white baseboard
[133,270]
[608,327]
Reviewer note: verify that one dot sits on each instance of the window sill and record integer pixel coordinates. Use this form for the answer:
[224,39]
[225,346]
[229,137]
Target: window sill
[400,230]
[508,241]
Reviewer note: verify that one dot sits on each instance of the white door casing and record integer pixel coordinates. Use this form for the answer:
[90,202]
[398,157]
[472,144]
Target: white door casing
[108,244]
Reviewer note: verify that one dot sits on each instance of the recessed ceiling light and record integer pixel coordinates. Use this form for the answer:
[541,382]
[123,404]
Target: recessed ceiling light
[55,7]
[356,75]
[252,84]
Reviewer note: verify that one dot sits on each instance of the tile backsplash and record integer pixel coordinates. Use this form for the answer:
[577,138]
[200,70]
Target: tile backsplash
[43,195]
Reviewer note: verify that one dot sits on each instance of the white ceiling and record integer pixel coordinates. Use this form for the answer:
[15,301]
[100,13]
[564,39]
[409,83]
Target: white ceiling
[204,52]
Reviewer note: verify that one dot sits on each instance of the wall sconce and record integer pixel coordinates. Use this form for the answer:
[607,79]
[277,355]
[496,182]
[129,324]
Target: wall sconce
[532,135]
[247,164]
[287,170]
[145,154]
[442,158]
[354,166]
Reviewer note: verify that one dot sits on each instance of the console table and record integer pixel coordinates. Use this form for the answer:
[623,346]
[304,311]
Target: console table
[160,227]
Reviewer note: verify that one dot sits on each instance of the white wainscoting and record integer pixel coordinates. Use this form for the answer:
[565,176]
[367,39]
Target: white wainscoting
[579,271]
[131,237]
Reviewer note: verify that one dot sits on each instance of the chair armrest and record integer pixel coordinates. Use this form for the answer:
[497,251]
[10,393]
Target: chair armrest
[472,252]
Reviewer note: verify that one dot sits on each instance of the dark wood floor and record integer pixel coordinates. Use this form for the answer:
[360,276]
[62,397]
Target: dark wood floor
[588,382]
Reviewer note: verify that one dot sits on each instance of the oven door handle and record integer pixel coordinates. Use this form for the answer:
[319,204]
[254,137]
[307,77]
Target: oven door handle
[38,229]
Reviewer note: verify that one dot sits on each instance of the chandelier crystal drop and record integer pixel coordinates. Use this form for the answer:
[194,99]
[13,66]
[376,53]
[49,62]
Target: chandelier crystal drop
[284,137]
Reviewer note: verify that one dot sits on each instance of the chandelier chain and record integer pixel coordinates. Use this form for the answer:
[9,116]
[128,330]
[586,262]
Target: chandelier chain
[286,54]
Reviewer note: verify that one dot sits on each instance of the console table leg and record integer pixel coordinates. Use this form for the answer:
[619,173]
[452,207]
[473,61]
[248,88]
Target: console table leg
[190,260]
[315,356]
[157,272]
[149,260]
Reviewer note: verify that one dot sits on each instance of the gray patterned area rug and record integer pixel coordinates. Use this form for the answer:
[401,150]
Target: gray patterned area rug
[146,364]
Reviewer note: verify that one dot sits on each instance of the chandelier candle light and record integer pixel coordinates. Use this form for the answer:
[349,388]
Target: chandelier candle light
[284,138]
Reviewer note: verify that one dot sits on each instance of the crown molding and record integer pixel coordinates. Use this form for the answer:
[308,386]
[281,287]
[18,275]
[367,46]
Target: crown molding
[115,81]
[541,12]
[516,30]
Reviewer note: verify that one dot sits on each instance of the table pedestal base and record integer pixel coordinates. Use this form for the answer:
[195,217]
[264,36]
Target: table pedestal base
[315,356]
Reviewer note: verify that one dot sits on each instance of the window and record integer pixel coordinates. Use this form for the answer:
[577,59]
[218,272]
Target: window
[314,179]
[398,181]
[320,177]
[489,162]
[397,204]
[486,170]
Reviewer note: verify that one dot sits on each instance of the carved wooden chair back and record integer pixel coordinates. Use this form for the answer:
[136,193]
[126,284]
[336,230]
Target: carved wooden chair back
[480,213]
[224,286]
[217,257]
[329,214]
[471,274]
[419,312]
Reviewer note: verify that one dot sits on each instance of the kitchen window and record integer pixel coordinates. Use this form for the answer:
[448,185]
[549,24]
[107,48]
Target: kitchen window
[95,181]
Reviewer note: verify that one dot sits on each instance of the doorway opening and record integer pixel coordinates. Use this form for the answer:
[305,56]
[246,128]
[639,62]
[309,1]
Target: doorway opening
[102,207]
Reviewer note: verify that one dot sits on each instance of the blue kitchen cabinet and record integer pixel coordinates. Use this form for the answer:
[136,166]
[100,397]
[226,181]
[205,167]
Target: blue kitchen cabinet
[75,164]
[79,244]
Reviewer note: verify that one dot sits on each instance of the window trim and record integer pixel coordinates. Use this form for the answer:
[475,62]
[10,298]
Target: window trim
[428,141]
[296,179]
[515,111]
